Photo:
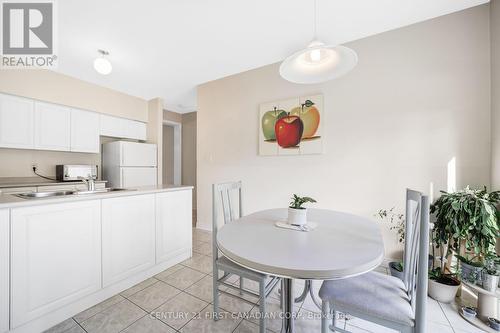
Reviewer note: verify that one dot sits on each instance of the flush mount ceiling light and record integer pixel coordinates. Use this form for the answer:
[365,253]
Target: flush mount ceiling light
[318,62]
[102,65]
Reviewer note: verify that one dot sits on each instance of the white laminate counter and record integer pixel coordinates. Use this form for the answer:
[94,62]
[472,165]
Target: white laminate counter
[12,201]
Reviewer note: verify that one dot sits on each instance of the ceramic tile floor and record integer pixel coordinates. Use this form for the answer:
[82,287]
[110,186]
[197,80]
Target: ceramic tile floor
[180,300]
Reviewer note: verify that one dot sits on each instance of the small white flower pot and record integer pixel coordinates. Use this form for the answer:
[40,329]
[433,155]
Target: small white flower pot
[297,216]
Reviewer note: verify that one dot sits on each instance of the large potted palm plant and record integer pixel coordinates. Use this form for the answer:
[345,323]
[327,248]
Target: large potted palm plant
[466,223]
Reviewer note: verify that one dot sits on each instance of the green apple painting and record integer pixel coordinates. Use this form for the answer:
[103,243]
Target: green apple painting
[291,127]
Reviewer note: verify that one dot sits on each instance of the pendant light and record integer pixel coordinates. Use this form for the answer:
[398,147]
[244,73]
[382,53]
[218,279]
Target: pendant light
[318,62]
[101,64]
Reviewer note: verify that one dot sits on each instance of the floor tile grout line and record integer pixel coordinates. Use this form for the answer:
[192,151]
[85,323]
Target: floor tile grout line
[446,316]
[131,301]
[95,314]
[153,277]
[133,322]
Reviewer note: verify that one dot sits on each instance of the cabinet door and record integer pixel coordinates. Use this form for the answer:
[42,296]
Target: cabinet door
[128,236]
[173,224]
[84,131]
[55,258]
[16,122]
[133,129]
[4,270]
[110,126]
[52,127]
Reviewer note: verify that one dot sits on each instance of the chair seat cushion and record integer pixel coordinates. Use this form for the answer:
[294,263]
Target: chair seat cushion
[374,294]
[229,266]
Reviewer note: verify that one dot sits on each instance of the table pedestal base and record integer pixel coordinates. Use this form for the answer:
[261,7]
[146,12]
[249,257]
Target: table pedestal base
[287,294]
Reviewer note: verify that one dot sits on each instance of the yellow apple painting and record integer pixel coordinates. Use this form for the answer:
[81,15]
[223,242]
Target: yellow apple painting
[291,127]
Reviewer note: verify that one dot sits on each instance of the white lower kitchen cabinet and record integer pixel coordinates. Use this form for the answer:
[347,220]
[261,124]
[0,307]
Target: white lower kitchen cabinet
[55,257]
[4,270]
[173,224]
[128,231]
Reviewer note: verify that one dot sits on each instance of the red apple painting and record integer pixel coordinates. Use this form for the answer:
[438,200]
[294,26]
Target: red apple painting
[289,131]
[291,127]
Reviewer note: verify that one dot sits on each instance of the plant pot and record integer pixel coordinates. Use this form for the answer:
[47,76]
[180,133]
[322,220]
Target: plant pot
[470,271]
[490,282]
[297,216]
[494,323]
[394,271]
[444,289]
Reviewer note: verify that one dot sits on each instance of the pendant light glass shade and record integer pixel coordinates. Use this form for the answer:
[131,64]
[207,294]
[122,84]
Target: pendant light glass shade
[318,63]
[101,64]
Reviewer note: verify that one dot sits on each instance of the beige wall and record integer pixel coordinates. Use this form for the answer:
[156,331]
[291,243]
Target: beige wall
[61,89]
[495,93]
[189,151]
[419,96]
[155,132]
[172,116]
[168,154]
[188,121]
[57,88]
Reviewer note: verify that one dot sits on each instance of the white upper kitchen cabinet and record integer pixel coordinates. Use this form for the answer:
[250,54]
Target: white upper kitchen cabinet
[110,126]
[52,127]
[4,270]
[122,128]
[55,257]
[128,236]
[16,122]
[133,129]
[85,131]
[173,224]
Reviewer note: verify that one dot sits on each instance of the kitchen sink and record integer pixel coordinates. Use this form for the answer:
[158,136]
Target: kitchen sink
[39,195]
[103,190]
[35,195]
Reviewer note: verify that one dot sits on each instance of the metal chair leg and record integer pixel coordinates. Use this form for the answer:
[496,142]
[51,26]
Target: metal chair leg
[262,306]
[334,320]
[216,293]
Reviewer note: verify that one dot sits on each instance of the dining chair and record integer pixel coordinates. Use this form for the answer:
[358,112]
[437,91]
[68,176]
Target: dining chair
[225,196]
[383,299]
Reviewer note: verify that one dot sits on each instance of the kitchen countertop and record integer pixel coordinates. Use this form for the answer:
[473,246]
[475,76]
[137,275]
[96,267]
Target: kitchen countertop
[12,201]
[6,182]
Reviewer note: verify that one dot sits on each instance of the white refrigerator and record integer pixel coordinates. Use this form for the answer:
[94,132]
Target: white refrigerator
[129,164]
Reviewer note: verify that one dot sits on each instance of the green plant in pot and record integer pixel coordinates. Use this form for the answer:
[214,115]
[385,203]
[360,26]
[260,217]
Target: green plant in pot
[490,274]
[442,287]
[470,268]
[396,223]
[466,222]
[297,213]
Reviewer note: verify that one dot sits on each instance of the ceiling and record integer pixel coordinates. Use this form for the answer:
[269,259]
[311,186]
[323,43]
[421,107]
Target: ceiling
[166,48]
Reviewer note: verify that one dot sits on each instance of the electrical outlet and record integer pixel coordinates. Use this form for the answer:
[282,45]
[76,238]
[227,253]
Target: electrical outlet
[34,166]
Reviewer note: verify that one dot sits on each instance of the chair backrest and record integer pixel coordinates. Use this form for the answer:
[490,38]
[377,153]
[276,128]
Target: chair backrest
[412,214]
[417,264]
[228,197]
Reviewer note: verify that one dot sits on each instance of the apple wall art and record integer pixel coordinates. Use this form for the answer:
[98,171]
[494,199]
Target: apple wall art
[291,127]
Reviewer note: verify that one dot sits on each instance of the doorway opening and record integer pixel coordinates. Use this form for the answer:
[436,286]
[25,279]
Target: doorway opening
[172,152]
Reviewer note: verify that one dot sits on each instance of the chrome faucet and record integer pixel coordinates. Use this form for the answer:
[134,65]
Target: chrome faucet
[89,181]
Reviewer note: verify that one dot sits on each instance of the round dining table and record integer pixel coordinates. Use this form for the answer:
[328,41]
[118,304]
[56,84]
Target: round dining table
[341,245]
